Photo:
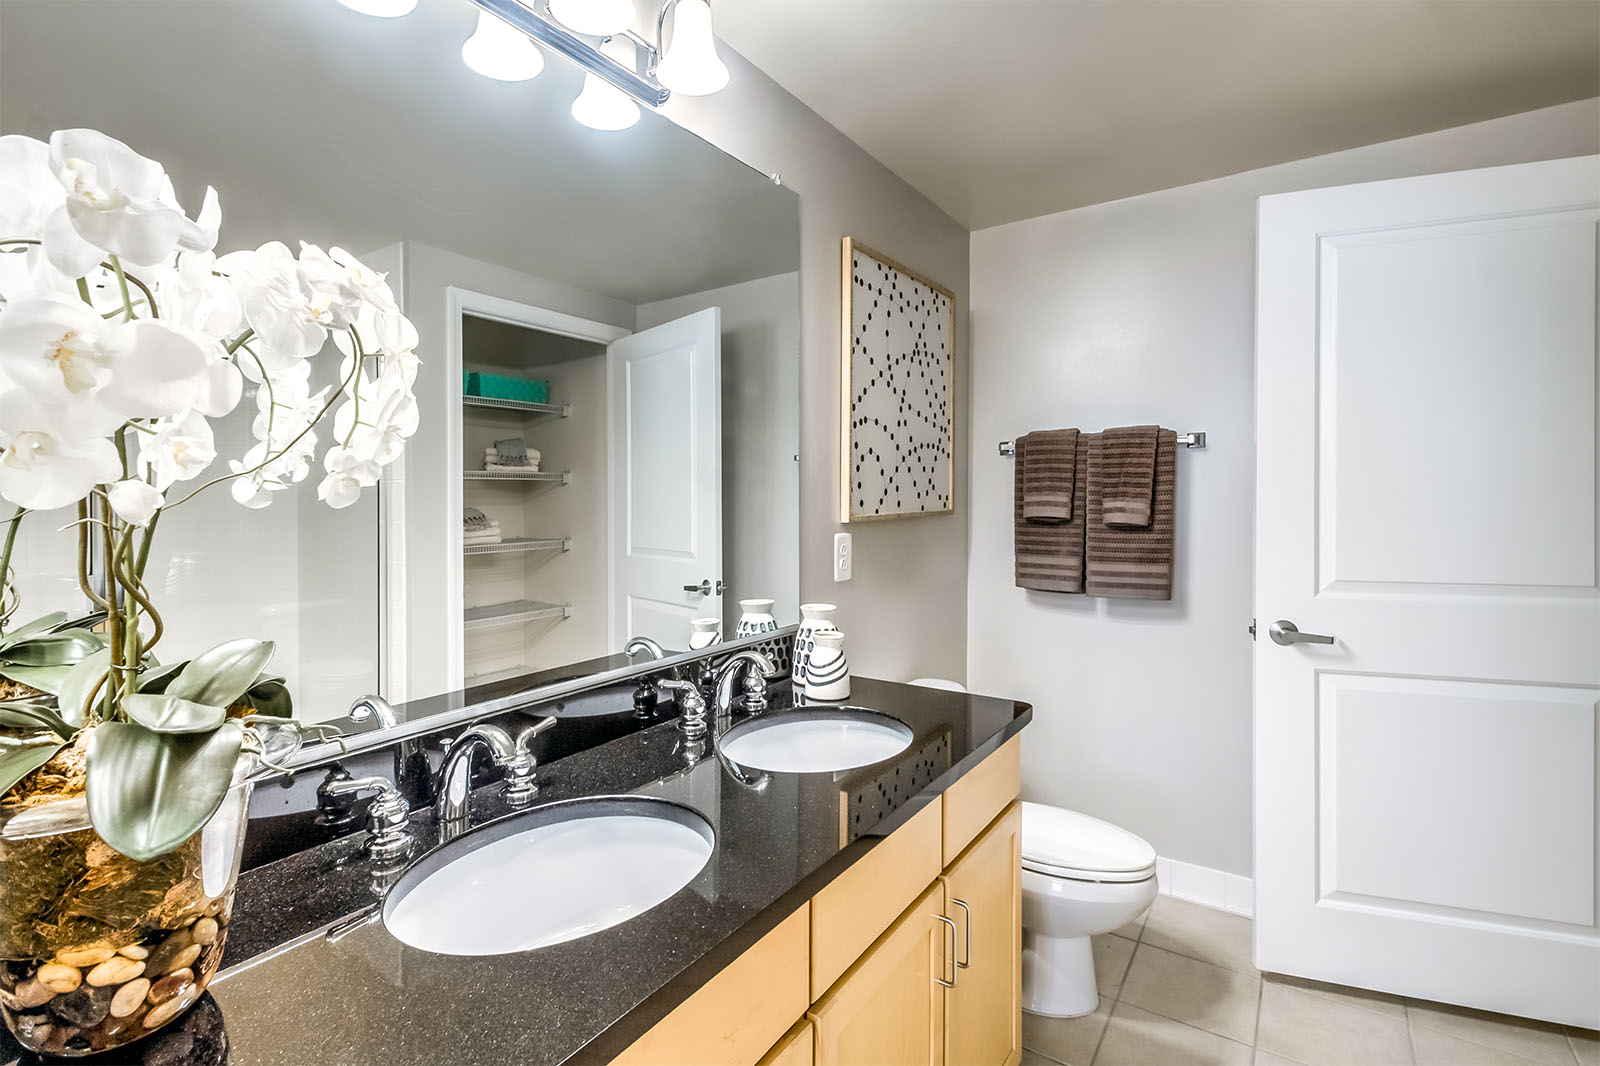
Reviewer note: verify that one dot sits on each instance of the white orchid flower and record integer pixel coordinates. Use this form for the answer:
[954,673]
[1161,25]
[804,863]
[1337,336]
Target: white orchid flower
[29,194]
[55,347]
[386,416]
[135,502]
[369,285]
[40,467]
[192,295]
[252,490]
[118,201]
[179,450]
[291,321]
[348,474]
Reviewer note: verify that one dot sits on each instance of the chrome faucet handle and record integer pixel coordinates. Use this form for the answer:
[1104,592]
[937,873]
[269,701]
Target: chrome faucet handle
[692,719]
[521,770]
[389,831]
[758,665]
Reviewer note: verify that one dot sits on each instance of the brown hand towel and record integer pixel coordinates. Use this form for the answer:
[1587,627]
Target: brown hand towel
[1131,563]
[1048,474]
[1128,466]
[1050,555]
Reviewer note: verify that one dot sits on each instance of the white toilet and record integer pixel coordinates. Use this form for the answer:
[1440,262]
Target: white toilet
[1080,877]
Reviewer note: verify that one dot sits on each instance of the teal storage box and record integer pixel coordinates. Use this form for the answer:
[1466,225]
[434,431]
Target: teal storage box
[505,387]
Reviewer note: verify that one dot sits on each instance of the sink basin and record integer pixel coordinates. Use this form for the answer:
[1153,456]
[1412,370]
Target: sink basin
[552,874]
[815,740]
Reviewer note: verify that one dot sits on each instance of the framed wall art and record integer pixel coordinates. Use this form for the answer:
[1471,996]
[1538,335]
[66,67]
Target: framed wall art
[897,414]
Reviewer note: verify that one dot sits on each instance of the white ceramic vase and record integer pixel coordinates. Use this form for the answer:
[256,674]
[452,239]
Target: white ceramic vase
[703,632]
[813,616]
[827,672]
[757,617]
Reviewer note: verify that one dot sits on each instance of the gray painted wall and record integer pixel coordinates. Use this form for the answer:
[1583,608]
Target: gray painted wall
[1143,310]
[905,612]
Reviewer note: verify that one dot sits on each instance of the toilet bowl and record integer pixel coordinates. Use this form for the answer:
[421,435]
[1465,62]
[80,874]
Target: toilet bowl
[1080,877]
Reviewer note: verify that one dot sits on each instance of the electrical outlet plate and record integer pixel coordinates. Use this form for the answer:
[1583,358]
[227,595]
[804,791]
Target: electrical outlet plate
[843,556]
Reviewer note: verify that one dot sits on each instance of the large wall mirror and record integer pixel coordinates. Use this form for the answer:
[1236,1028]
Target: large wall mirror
[609,335]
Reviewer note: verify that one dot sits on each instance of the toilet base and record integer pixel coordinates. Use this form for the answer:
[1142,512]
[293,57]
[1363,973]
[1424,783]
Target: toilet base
[1058,976]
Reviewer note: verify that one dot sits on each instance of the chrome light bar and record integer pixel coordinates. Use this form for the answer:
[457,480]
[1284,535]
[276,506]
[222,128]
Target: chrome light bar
[545,30]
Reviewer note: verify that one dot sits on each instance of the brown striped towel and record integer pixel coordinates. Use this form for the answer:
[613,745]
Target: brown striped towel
[1048,475]
[1131,563]
[1128,469]
[1050,554]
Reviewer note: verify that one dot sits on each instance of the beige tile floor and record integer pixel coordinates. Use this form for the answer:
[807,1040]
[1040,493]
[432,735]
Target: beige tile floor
[1177,987]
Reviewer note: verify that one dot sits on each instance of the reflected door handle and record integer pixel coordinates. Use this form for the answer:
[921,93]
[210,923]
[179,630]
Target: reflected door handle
[1286,632]
[704,588]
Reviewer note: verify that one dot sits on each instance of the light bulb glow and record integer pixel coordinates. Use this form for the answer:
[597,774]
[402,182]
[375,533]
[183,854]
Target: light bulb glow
[387,9]
[593,18]
[603,106]
[496,50]
[691,65]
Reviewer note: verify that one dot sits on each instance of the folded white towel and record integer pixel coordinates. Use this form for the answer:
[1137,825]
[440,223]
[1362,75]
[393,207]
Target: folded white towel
[481,538]
[525,468]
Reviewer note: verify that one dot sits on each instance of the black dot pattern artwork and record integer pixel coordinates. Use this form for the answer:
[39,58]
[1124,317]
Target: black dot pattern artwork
[901,372]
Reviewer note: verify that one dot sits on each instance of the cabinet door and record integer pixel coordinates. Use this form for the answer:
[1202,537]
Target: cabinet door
[797,1048]
[888,1009]
[984,1009]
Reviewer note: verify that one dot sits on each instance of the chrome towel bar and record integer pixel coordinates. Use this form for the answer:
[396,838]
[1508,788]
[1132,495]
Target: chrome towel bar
[1188,440]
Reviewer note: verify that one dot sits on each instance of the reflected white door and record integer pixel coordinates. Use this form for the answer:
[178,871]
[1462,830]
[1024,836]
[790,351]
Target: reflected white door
[665,431]
[1425,785]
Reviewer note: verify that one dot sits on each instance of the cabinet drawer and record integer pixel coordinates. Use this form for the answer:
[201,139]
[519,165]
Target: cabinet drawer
[738,1015]
[858,905]
[978,798]
[797,1048]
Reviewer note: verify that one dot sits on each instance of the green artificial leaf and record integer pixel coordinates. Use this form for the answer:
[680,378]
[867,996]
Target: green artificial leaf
[53,649]
[44,678]
[79,682]
[33,716]
[166,713]
[21,756]
[38,625]
[149,792]
[220,676]
[157,678]
[270,696]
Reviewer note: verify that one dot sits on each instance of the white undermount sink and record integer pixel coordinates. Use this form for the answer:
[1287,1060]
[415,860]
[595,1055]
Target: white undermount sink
[815,740]
[553,874]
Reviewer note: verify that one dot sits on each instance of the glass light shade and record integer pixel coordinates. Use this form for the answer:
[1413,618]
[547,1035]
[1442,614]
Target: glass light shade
[496,50]
[601,105]
[691,65]
[593,18]
[387,9]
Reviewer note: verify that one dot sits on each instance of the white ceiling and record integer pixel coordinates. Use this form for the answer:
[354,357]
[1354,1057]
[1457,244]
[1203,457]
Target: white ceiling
[1000,110]
[317,123]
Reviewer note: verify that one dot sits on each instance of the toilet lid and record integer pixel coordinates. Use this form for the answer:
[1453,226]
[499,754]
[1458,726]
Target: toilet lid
[1067,841]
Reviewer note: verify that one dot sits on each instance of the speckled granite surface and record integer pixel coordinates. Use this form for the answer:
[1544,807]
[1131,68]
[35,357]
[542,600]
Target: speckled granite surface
[290,996]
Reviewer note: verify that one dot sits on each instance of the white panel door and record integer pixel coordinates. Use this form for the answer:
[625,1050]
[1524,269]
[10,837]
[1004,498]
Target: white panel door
[665,428]
[1426,454]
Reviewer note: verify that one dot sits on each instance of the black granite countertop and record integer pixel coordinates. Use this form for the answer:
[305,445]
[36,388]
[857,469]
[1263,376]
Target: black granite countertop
[292,996]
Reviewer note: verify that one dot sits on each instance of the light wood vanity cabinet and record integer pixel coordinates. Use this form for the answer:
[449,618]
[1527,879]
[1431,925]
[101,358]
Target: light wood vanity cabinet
[884,938]
[983,895]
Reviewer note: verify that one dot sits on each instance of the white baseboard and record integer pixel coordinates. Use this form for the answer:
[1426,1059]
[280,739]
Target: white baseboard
[1205,886]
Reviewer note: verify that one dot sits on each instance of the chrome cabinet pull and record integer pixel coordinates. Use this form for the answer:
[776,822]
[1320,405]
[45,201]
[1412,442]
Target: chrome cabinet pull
[965,963]
[955,972]
[1286,633]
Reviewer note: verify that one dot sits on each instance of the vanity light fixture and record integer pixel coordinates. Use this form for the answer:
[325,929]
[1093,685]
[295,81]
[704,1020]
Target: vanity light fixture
[602,106]
[691,65]
[498,51]
[649,73]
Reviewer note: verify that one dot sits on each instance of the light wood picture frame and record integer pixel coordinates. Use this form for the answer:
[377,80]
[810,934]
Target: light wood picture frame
[897,413]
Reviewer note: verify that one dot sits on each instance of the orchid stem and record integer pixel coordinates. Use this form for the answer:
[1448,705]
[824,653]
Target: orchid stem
[127,297]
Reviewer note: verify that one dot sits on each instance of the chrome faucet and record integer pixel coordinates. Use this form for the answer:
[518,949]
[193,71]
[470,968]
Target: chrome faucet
[757,666]
[410,764]
[691,706]
[636,645]
[454,782]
